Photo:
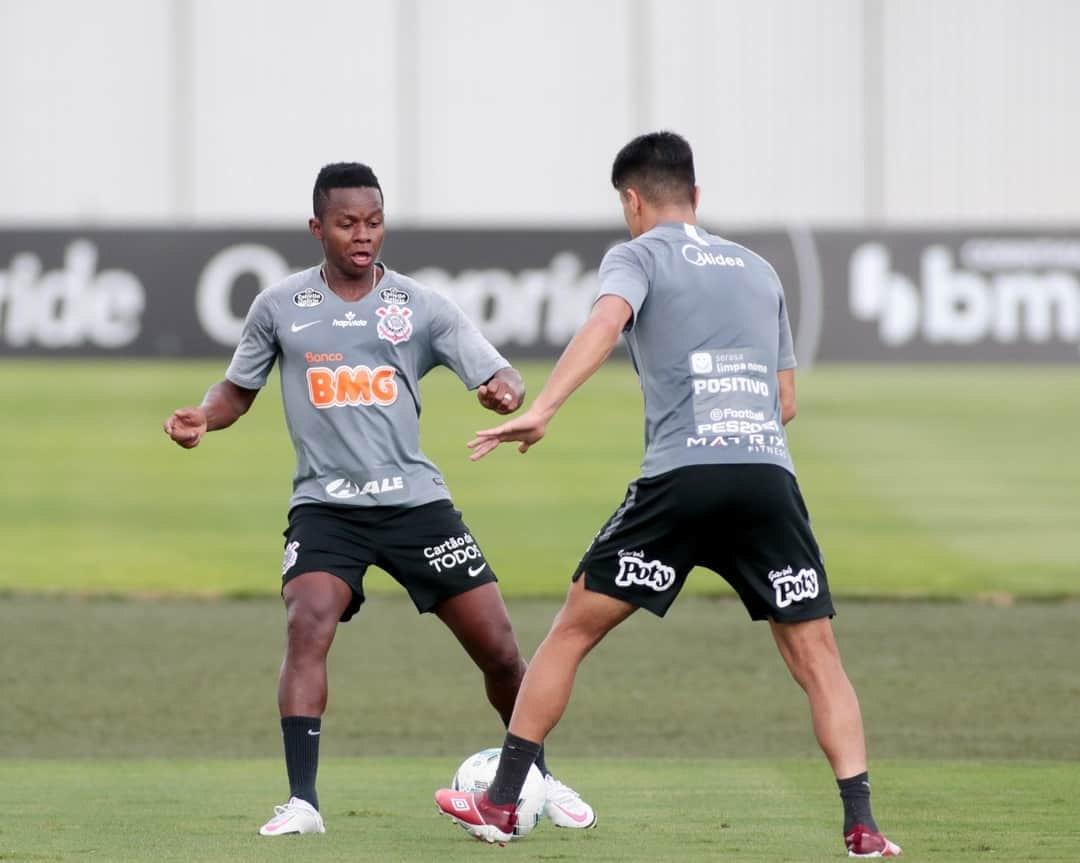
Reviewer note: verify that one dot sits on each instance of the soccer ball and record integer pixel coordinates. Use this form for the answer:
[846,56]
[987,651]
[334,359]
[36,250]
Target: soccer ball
[476,774]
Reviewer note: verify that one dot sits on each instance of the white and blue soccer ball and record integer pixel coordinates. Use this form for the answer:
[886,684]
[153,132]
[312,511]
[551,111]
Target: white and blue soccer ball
[476,774]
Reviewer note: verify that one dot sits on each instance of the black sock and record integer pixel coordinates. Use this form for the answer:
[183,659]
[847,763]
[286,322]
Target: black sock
[518,755]
[301,736]
[541,764]
[855,793]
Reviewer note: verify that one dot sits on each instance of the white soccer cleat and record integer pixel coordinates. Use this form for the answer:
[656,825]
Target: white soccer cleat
[565,808]
[296,816]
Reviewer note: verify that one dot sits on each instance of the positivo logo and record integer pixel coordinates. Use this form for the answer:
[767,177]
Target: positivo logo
[958,305]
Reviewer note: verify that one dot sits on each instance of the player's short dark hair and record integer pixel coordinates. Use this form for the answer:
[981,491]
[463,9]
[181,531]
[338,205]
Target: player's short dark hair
[341,175]
[659,165]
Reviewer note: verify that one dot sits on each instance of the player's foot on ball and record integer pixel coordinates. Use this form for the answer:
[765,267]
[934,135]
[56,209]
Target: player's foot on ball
[564,806]
[864,842]
[478,815]
[296,816]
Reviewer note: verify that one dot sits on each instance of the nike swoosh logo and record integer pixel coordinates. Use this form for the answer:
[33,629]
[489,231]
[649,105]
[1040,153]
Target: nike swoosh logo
[314,733]
[297,327]
[580,819]
[475,572]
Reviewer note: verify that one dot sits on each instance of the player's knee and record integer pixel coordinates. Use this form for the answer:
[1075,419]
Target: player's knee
[310,625]
[502,660]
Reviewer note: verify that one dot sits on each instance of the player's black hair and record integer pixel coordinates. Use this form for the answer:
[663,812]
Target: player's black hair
[341,175]
[659,165]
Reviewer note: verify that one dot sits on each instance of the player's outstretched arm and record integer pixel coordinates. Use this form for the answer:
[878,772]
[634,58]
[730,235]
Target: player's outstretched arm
[586,352]
[223,405]
[504,392]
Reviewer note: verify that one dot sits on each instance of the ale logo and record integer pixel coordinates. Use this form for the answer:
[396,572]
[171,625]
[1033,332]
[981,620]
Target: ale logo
[347,386]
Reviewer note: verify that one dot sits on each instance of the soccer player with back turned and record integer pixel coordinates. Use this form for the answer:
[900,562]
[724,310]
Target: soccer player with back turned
[708,332]
[352,338]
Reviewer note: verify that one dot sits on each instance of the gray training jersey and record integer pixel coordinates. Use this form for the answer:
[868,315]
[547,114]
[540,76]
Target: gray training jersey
[350,375]
[710,331]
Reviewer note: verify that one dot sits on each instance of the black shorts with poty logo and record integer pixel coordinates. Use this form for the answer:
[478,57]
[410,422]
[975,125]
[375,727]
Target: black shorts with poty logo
[747,522]
[427,549]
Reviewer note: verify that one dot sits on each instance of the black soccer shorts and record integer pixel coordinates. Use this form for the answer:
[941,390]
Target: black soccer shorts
[747,522]
[427,549]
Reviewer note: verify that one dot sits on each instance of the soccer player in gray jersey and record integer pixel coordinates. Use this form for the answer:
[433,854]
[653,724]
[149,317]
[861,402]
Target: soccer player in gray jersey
[708,332]
[352,339]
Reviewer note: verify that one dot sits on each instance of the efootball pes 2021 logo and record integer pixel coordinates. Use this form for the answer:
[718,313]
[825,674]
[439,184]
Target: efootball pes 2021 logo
[793,586]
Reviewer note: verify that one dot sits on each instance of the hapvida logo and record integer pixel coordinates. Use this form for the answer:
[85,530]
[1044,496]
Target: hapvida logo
[793,587]
[633,569]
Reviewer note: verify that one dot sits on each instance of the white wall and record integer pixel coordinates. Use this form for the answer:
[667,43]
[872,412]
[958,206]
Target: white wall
[510,111]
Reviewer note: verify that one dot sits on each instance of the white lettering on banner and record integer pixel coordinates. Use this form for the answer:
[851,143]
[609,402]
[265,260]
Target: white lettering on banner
[951,305]
[213,294]
[72,306]
[530,307]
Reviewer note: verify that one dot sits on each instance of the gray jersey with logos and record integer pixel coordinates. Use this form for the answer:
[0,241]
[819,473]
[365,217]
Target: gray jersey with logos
[710,331]
[350,374]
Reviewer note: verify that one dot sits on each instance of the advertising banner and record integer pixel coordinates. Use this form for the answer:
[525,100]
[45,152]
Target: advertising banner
[908,296]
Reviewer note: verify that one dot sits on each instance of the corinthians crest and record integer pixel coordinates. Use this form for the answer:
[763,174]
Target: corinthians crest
[394,325]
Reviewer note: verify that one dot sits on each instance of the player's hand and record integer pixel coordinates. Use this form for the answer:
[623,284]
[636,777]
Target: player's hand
[528,428]
[503,394]
[186,426]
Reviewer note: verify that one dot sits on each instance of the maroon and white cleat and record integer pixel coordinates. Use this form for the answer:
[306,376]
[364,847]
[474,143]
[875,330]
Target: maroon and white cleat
[478,815]
[863,842]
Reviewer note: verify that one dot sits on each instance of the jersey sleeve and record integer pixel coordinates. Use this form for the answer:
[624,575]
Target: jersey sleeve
[258,348]
[622,274]
[457,344]
[786,352]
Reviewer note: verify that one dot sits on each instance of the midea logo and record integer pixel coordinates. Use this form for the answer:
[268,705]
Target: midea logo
[700,257]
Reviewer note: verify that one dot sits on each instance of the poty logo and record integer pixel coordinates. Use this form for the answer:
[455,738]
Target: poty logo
[793,587]
[700,257]
[951,305]
[351,385]
[633,569]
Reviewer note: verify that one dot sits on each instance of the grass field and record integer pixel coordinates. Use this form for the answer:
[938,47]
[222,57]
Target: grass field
[146,730]
[138,714]
[921,481]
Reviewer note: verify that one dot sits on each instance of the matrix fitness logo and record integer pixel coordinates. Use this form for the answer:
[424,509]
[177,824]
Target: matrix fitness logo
[634,569]
[793,587]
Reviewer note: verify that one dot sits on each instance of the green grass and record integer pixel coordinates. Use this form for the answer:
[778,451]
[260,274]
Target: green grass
[197,679]
[921,481]
[650,810]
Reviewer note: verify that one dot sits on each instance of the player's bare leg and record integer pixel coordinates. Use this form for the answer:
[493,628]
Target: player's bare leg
[585,618]
[810,651]
[314,603]
[581,623]
[479,620]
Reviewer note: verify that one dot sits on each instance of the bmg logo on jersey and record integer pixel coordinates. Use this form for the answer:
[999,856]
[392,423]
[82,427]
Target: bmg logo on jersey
[634,569]
[347,386]
[455,551]
[793,587]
